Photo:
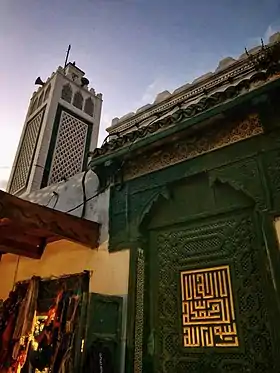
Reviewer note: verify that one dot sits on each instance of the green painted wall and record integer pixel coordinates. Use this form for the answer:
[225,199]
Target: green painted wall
[230,197]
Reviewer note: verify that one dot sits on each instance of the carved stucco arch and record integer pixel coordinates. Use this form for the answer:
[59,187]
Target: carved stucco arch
[250,189]
[244,177]
[146,213]
[232,183]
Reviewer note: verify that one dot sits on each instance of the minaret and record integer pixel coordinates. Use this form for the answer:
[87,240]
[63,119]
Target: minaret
[61,127]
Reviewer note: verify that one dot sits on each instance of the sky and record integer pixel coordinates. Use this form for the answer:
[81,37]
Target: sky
[130,49]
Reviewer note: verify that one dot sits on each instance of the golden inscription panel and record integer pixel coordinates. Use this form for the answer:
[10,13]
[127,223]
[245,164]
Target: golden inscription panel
[208,315]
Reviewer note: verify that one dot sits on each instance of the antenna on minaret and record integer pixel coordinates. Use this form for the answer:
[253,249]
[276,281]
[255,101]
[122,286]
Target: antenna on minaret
[67,55]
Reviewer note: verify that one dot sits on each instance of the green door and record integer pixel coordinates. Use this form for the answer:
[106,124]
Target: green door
[104,324]
[209,301]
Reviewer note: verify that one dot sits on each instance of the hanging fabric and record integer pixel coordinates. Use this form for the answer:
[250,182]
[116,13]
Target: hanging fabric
[20,349]
[66,363]
[25,318]
[43,356]
[8,319]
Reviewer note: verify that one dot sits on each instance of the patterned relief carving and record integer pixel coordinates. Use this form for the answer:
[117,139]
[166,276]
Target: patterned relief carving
[26,153]
[69,154]
[139,314]
[243,176]
[208,312]
[272,167]
[194,146]
[126,216]
[142,204]
[239,249]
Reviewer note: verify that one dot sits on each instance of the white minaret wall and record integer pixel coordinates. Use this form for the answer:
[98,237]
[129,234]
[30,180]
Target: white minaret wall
[56,81]
[29,116]
[37,168]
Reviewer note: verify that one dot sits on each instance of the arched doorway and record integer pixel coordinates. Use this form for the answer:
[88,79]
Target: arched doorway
[209,304]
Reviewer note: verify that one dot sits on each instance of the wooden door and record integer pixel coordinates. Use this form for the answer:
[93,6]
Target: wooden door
[209,302]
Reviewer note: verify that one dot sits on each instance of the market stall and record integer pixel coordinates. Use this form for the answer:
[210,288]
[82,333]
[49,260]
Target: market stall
[42,325]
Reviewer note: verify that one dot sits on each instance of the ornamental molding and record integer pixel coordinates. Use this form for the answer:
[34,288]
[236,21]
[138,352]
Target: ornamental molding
[175,118]
[192,92]
[193,146]
[139,312]
[240,69]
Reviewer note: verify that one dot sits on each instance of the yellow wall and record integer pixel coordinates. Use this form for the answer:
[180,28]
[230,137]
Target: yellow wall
[277,227]
[109,271]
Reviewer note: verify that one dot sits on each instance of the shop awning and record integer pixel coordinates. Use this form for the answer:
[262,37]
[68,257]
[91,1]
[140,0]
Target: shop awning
[26,228]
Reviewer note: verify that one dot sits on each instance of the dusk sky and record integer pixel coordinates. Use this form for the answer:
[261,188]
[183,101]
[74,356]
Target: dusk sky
[129,49]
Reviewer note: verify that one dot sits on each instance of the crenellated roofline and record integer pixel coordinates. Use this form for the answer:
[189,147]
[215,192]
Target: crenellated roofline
[228,71]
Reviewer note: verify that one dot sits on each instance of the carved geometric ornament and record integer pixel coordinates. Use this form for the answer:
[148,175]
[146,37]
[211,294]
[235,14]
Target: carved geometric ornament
[208,316]
[195,145]
[26,153]
[68,156]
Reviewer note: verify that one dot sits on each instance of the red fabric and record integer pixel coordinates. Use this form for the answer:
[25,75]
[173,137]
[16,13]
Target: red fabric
[6,339]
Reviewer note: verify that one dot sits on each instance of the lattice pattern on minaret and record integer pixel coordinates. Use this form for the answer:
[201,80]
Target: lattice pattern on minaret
[26,153]
[70,147]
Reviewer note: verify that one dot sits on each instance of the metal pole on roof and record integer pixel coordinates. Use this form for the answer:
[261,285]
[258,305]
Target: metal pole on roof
[67,55]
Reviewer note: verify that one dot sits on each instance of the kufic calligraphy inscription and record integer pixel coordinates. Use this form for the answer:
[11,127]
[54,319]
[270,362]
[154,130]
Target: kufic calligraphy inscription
[208,315]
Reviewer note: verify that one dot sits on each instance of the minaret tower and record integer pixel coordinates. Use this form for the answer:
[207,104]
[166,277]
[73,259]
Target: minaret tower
[61,127]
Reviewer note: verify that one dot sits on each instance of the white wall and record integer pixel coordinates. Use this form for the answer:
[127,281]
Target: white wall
[57,80]
[70,194]
[109,270]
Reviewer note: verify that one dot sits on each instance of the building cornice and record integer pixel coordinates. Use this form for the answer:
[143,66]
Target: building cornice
[259,83]
[237,70]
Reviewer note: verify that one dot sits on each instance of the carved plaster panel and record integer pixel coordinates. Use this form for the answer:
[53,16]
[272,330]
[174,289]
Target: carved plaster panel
[194,145]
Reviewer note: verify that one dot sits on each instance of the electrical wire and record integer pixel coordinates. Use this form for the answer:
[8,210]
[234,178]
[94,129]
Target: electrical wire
[84,193]
[89,199]
[49,201]
[54,194]
[57,197]
[102,190]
